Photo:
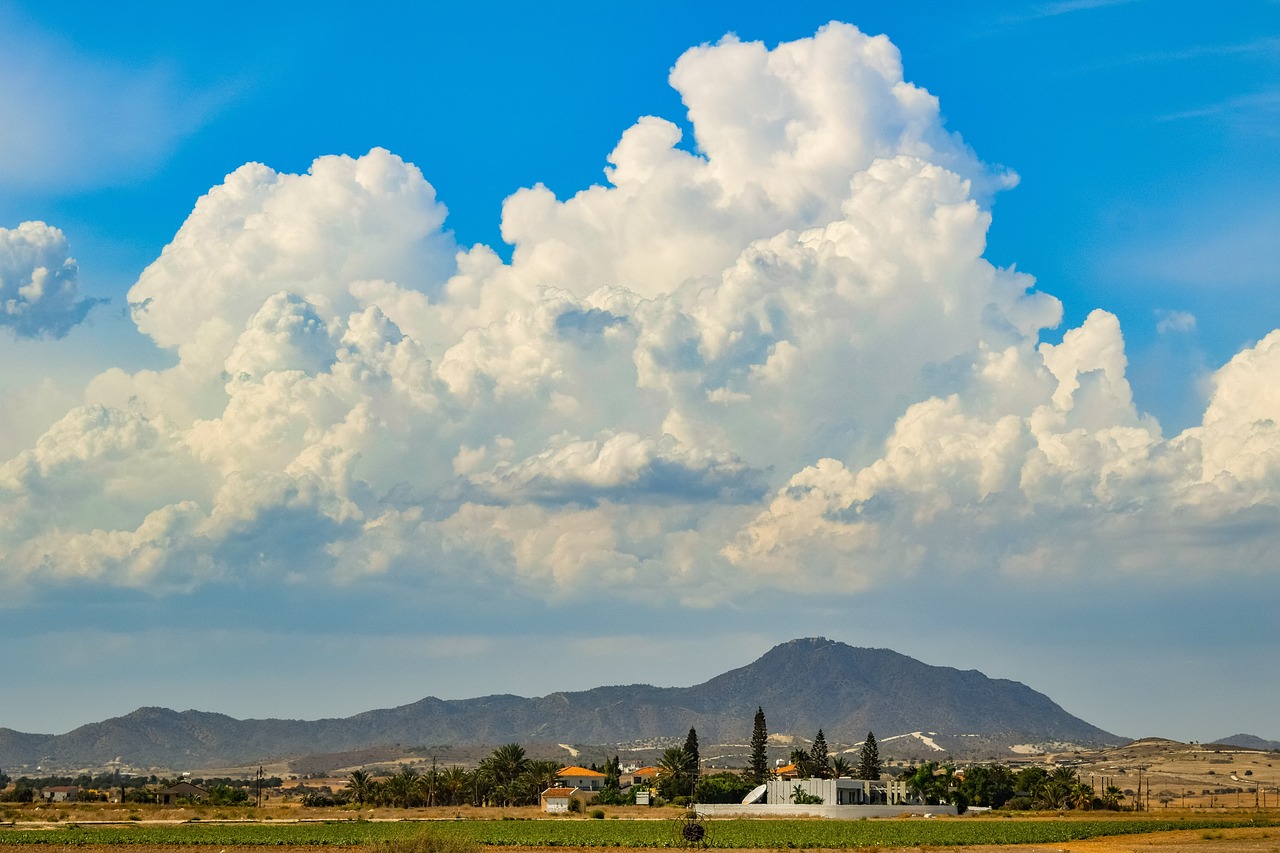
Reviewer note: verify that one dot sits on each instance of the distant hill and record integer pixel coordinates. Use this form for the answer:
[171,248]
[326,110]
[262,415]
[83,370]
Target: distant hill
[803,685]
[1248,742]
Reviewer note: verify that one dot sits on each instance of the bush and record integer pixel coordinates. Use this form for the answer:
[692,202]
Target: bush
[597,814]
[801,797]
[317,799]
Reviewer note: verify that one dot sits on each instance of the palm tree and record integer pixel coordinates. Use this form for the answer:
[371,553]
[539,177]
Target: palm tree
[1082,795]
[1111,797]
[501,770]
[402,788]
[1055,794]
[803,762]
[454,784]
[541,775]
[674,772]
[360,785]
[922,782]
[840,767]
[1064,774]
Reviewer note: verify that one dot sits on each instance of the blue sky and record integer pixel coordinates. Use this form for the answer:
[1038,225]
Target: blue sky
[336,438]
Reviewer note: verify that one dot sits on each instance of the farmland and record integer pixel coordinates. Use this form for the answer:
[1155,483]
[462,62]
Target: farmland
[768,834]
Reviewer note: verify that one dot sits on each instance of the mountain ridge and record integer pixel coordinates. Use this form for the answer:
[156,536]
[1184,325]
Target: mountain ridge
[803,684]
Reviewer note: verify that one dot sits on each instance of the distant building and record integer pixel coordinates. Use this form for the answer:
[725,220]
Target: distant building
[837,792]
[640,776]
[181,791]
[581,778]
[556,800]
[60,794]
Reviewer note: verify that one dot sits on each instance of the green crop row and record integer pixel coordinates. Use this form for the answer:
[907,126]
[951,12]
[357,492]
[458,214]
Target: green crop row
[759,834]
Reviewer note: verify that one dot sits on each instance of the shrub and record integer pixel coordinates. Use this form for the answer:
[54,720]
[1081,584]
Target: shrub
[597,814]
[801,797]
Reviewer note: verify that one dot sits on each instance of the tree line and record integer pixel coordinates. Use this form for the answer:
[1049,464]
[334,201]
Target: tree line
[996,786]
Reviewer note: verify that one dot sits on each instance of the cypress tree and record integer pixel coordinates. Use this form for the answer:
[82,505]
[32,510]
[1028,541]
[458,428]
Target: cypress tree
[759,741]
[869,766]
[691,748]
[695,761]
[818,756]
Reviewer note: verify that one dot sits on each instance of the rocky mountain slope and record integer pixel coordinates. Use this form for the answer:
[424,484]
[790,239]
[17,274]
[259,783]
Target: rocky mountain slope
[803,685]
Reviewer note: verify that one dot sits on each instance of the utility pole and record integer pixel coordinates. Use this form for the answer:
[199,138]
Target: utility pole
[259,786]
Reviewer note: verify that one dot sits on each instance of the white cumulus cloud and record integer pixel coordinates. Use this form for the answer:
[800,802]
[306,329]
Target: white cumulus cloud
[781,362]
[39,294]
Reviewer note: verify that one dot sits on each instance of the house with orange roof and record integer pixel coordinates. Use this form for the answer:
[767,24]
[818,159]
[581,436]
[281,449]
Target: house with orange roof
[556,800]
[581,778]
[640,776]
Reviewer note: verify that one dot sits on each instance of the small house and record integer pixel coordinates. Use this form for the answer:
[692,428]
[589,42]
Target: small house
[581,778]
[181,791]
[556,800]
[60,794]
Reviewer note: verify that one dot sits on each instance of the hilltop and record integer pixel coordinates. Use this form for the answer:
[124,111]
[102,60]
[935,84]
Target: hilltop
[804,685]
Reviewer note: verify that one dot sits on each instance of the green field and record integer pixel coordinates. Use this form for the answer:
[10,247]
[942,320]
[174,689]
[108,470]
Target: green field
[767,834]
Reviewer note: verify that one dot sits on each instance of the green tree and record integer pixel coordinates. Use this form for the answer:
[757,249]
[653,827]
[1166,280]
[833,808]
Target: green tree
[691,748]
[759,768]
[987,785]
[359,785]
[500,772]
[21,792]
[540,775]
[402,789]
[1082,796]
[724,788]
[923,782]
[802,761]
[1030,780]
[840,767]
[611,793]
[695,760]
[225,795]
[674,773]
[818,757]
[455,786]
[869,766]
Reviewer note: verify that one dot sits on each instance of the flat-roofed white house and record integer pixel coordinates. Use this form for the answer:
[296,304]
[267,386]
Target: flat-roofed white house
[839,798]
[833,792]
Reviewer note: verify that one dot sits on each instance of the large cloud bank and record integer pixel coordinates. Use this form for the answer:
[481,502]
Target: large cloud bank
[779,363]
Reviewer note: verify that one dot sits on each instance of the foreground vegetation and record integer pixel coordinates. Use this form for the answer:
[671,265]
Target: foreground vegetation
[732,833]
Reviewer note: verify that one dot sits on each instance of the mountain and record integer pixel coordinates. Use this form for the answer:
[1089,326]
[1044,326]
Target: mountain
[803,685]
[1248,742]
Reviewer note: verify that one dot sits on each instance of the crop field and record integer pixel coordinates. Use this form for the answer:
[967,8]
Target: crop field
[729,833]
